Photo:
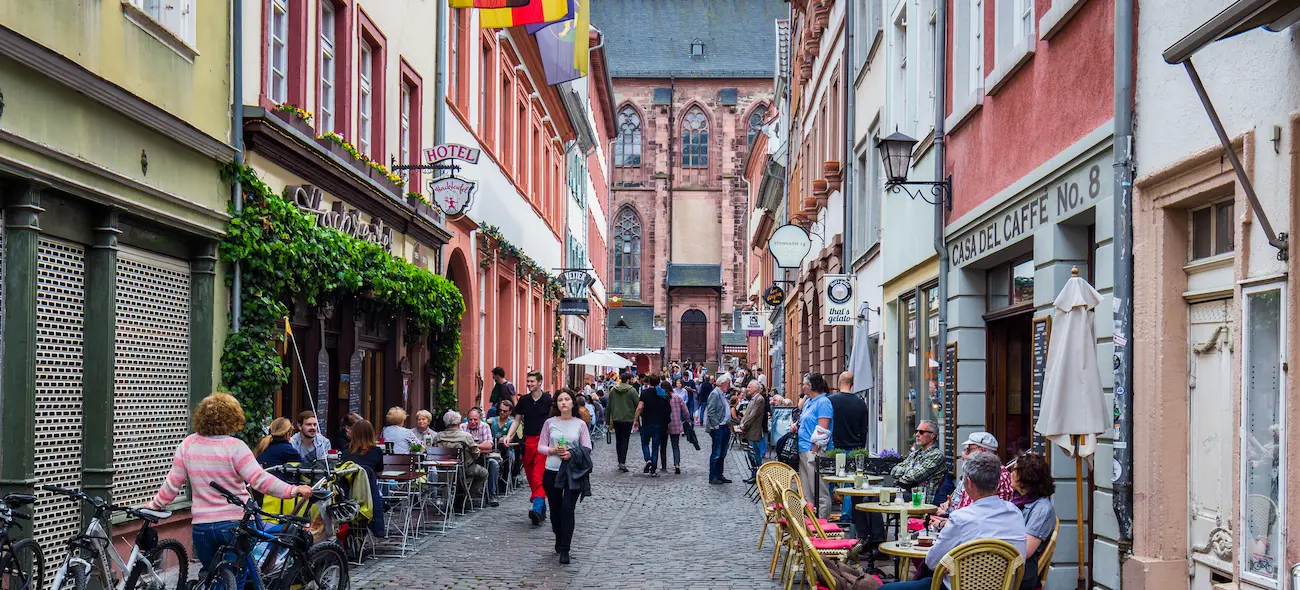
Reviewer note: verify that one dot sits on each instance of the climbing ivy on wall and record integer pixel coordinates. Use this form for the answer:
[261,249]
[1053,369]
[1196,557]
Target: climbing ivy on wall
[285,256]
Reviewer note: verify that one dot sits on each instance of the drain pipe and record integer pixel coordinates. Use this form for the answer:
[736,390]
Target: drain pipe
[846,167]
[237,135]
[1122,151]
[940,175]
[440,76]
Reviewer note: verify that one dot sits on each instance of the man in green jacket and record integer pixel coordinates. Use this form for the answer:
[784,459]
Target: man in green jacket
[623,399]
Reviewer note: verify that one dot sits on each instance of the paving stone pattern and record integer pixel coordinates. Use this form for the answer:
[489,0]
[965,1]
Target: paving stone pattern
[673,531]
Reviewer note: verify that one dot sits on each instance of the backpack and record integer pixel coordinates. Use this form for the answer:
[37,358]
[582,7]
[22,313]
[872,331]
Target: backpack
[848,577]
[787,449]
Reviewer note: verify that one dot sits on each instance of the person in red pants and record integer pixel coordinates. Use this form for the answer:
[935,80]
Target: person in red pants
[530,414]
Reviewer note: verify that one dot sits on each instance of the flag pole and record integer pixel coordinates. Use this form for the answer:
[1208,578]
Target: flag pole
[302,369]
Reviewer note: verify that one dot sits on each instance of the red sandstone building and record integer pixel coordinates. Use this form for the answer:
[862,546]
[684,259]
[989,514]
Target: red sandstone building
[688,107]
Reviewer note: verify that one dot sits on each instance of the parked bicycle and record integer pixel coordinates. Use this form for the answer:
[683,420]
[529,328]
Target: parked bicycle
[276,557]
[22,564]
[153,564]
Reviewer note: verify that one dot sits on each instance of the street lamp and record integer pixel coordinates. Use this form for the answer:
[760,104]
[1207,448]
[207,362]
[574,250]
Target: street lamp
[896,155]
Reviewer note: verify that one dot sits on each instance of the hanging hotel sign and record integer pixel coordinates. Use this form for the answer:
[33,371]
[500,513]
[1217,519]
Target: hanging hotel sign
[789,245]
[449,193]
[451,151]
[837,293]
[752,323]
[311,200]
[774,296]
[575,300]
[1062,198]
[452,195]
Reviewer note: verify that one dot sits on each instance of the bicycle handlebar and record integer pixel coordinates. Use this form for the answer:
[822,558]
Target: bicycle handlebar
[251,507]
[77,494]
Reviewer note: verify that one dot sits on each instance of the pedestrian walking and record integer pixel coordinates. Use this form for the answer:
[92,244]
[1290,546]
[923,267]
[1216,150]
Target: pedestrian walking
[501,389]
[652,418]
[678,416]
[620,414]
[702,397]
[717,421]
[563,439]
[531,412]
[753,424]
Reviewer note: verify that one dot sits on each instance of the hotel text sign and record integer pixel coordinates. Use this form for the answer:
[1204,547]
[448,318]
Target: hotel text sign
[1057,201]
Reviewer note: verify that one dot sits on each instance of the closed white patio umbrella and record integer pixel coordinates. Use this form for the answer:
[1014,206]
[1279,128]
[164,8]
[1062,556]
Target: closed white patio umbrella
[1073,411]
[860,356]
[601,358]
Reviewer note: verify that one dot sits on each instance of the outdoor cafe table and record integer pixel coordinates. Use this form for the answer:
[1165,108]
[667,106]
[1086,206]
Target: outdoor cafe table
[863,492]
[848,479]
[905,556]
[893,507]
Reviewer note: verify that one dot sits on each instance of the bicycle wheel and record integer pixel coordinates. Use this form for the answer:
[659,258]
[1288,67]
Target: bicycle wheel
[327,567]
[24,569]
[78,576]
[168,568]
[222,579]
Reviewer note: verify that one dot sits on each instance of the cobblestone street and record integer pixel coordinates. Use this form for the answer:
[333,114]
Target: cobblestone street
[674,531]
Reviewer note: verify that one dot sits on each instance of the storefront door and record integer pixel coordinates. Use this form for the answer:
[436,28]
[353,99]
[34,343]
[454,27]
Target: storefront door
[695,336]
[1009,415]
[372,387]
[1209,481]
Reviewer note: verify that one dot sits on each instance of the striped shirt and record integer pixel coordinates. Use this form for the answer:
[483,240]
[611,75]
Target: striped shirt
[222,459]
[676,409]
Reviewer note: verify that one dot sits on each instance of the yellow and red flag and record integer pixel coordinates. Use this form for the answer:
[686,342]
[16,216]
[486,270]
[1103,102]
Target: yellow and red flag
[536,11]
[488,3]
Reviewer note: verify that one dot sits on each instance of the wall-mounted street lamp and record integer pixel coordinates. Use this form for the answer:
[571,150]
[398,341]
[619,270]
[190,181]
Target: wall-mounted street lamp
[896,155]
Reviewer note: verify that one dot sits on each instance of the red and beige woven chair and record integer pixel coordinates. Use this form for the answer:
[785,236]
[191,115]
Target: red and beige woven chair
[778,480]
[982,564]
[769,500]
[806,550]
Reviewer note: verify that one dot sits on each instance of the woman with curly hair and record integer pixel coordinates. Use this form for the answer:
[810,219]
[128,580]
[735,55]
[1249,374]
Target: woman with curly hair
[211,455]
[1032,478]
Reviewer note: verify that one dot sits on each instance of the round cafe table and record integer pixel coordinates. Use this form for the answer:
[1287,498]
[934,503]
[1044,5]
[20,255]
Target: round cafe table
[905,556]
[848,479]
[863,492]
[895,506]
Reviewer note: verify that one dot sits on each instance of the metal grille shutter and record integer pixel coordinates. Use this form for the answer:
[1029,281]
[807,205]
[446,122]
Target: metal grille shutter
[60,299]
[151,400]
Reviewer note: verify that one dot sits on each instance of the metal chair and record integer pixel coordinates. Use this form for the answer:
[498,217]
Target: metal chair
[397,486]
[441,481]
[982,564]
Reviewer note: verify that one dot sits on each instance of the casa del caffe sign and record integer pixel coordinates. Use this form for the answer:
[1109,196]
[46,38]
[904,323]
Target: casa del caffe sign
[311,200]
[1053,202]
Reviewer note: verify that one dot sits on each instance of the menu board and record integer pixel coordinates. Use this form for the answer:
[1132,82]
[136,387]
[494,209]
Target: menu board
[354,386]
[1042,330]
[950,402]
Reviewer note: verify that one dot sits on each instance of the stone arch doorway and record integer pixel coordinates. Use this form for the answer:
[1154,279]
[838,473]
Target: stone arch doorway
[466,383]
[695,336]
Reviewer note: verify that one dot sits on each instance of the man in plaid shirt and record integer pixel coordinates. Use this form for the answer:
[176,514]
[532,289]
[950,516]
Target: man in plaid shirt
[482,434]
[923,468]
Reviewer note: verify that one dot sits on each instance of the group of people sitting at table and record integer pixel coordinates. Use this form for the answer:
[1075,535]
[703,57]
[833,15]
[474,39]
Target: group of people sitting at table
[1011,502]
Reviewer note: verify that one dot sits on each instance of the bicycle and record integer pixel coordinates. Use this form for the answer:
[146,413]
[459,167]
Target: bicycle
[280,557]
[22,564]
[153,564]
[338,513]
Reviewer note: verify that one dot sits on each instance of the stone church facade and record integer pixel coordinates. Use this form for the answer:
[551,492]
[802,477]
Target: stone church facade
[687,112]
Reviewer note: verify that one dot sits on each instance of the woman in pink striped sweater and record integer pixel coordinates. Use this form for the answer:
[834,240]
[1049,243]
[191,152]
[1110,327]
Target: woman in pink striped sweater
[212,455]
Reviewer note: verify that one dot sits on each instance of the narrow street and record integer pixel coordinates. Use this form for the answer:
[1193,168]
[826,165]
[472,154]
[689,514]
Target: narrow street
[674,531]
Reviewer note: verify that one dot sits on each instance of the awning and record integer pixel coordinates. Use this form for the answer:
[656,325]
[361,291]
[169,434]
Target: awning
[634,350]
[1241,16]
[733,349]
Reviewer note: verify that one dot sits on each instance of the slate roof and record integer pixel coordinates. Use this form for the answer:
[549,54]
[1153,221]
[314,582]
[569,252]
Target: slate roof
[652,38]
[695,275]
[640,332]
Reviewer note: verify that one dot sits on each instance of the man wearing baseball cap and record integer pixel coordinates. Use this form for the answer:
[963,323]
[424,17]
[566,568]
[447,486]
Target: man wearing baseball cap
[975,443]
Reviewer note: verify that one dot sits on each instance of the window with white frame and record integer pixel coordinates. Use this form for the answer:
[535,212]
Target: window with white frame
[1212,230]
[924,60]
[326,100]
[968,50]
[177,17]
[404,128]
[904,114]
[868,32]
[365,99]
[1263,446]
[1014,38]
[874,191]
[278,52]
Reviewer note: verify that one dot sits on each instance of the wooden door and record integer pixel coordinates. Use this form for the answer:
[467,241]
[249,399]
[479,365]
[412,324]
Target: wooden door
[695,336]
[1009,399]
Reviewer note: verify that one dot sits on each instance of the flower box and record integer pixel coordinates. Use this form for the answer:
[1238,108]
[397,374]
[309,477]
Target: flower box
[294,121]
[834,175]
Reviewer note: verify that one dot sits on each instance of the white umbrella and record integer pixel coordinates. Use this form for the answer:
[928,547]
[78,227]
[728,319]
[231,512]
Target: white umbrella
[860,356]
[601,358]
[1073,410]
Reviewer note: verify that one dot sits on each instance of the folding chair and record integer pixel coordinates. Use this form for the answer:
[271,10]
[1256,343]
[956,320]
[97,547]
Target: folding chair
[397,487]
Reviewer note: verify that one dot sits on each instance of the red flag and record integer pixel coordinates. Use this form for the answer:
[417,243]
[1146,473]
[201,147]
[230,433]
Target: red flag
[488,3]
[537,11]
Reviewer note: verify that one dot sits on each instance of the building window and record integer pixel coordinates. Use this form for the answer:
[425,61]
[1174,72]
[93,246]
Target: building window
[1263,446]
[968,47]
[756,122]
[697,48]
[486,94]
[453,64]
[627,254]
[903,101]
[1212,230]
[867,34]
[404,128]
[911,403]
[1013,40]
[176,16]
[695,139]
[1011,284]
[277,86]
[325,113]
[365,100]
[627,146]
[507,119]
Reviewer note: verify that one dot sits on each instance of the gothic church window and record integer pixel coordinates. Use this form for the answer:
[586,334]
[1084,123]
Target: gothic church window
[627,254]
[695,139]
[627,146]
[756,122]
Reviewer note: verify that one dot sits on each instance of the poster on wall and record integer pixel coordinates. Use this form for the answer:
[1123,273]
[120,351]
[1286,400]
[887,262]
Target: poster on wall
[837,300]
[782,419]
[752,323]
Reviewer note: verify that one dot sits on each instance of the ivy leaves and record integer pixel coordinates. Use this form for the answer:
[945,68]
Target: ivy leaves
[286,256]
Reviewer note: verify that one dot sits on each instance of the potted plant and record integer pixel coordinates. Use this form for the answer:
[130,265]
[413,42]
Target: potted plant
[809,204]
[420,203]
[296,117]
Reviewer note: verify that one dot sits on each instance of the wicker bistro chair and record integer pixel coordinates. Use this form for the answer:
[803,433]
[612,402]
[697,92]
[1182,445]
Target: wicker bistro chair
[982,564]
[1045,560]
[769,500]
[807,552]
[784,485]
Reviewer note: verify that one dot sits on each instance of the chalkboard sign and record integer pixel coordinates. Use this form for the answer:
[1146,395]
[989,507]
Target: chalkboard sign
[322,387]
[354,386]
[1041,331]
[950,402]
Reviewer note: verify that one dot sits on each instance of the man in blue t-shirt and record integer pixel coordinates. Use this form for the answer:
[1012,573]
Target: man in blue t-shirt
[814,428]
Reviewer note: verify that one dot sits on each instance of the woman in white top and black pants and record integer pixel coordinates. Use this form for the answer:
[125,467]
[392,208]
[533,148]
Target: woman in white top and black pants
[561,432]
